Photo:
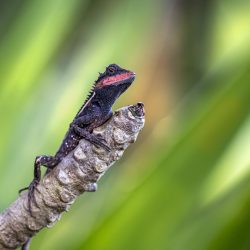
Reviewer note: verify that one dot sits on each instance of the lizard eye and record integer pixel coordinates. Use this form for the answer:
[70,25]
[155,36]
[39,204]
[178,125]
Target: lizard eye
[111,69]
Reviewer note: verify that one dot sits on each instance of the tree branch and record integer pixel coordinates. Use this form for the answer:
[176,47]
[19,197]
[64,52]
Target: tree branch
[77,173]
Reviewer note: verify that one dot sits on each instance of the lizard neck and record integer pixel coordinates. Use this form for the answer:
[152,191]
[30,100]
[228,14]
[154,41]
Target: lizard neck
[107,96]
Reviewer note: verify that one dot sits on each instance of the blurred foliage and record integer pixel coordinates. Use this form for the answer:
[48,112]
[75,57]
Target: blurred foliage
[185,184]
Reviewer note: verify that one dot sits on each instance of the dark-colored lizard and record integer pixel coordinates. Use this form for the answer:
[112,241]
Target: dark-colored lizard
[95,111]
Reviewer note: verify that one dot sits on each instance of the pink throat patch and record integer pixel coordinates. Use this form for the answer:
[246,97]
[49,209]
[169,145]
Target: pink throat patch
[111,79]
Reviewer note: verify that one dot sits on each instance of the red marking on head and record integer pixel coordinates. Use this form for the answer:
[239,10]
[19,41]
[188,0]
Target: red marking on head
[110,80]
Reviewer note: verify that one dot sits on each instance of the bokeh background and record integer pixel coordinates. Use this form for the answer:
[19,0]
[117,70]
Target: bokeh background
[185,184]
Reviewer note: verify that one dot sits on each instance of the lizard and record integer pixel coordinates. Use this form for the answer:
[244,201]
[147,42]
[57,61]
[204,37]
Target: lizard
[95,111]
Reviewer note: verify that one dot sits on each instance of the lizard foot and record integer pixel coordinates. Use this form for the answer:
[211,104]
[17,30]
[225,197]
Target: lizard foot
[31,193]
[31,189]
[94,139]
[100,142]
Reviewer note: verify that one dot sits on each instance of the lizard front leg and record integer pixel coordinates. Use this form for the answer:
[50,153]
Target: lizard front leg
[91,123]
[90,137]
[49,162]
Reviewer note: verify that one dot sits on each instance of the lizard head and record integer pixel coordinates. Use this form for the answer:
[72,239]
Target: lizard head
[115,77]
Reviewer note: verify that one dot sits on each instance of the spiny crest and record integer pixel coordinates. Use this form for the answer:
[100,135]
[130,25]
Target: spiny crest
[89,96]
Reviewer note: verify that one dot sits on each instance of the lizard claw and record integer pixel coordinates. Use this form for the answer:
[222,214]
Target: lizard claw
[102,143]
[21,190]
[106,147]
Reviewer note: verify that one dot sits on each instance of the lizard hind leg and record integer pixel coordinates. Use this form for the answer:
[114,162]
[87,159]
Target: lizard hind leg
[49,162]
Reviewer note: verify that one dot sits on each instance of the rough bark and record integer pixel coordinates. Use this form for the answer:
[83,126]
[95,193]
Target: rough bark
[77,173]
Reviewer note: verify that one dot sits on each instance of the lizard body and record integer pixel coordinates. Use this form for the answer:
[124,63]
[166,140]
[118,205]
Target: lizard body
[95,111]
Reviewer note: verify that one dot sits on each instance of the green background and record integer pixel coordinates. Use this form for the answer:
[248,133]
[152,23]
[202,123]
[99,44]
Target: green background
[185,184]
